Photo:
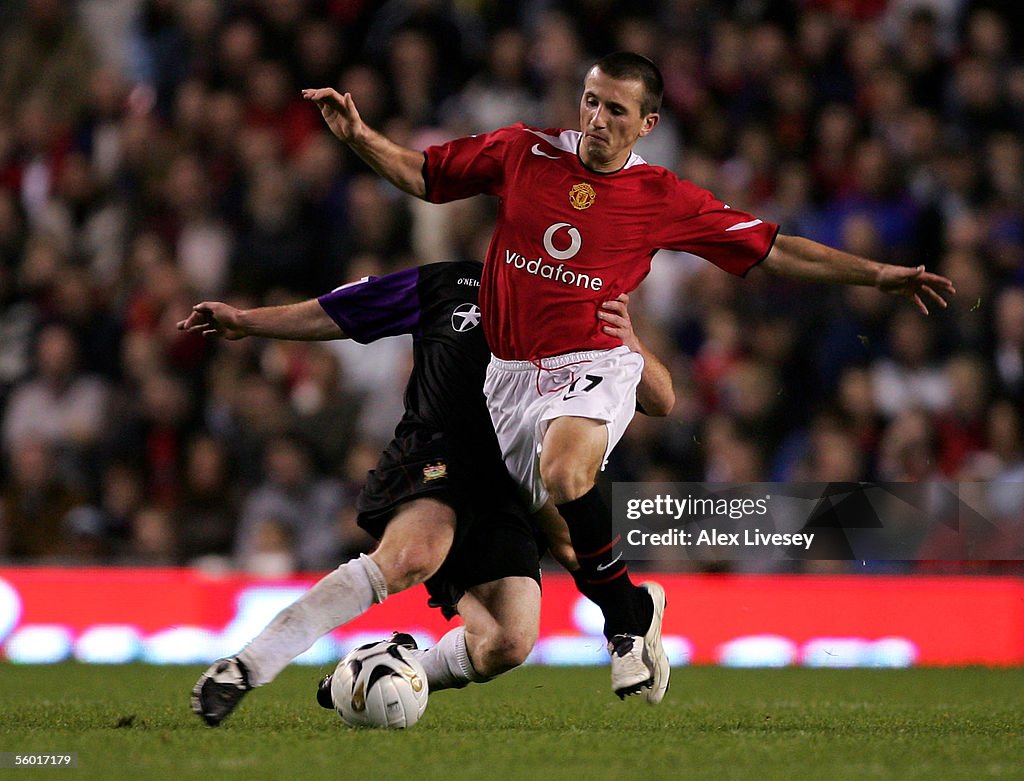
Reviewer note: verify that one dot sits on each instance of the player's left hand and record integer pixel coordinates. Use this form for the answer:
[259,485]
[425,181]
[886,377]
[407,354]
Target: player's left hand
[921,286]
[615,316]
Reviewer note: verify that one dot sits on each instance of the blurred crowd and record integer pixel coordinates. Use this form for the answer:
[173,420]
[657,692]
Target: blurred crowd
[155,153]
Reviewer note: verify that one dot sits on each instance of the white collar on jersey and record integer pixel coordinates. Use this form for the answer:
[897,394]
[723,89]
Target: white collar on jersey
[569,141]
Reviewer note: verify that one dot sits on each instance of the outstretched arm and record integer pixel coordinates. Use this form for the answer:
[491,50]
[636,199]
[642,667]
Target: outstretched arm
[401,166]
[800,258]
[305,321]
[654,394]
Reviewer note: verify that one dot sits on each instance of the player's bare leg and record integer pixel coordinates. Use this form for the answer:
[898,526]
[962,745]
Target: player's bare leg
[501,620]
[571,456]
[413,547]
[572,453]
[415,543]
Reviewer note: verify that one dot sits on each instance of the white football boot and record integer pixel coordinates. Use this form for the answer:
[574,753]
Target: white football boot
[629,673]
[640,663]
[655,657]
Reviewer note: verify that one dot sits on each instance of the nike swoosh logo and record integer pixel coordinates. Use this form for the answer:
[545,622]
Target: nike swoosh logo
[536,150]
[741,225]
[603,567]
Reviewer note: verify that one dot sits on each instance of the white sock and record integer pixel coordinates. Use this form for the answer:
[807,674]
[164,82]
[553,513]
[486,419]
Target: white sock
[447,664]
[335,599]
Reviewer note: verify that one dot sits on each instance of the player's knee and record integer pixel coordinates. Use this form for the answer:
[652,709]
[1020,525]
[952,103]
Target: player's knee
[565,479]
[408,565]
[503,652]
[516,650]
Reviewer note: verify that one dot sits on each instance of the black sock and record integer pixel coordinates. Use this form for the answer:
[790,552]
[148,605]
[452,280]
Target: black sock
[608,599]
[583,586]
[603,577]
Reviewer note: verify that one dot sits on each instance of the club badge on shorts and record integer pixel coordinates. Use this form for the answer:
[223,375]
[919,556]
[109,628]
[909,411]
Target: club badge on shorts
[582,196]
[434,472]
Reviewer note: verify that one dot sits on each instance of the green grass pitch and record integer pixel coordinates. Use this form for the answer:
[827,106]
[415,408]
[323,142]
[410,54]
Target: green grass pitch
[539,724]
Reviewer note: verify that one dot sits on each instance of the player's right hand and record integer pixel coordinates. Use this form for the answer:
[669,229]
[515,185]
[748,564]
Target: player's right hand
[339,112]
[615,316]
[214,318]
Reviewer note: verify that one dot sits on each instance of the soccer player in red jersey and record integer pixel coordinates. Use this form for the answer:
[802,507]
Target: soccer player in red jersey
[579,217]
[439,501]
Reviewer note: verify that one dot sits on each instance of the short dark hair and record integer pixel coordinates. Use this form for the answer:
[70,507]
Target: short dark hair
[635,67]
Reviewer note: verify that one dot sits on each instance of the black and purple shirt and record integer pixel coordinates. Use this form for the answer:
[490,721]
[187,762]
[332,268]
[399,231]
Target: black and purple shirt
[438,305]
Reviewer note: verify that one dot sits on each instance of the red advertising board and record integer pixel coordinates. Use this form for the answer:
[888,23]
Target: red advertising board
[735,619]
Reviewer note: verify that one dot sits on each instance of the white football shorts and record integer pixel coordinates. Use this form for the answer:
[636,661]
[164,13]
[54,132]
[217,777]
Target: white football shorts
[525,396]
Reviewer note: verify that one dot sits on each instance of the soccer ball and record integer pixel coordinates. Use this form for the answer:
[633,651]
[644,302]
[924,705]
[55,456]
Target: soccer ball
[380,685]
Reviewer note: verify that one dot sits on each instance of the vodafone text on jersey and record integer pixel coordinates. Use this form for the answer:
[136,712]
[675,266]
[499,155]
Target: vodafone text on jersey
[538,267]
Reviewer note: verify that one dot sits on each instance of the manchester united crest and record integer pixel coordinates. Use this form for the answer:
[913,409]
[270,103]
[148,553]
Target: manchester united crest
[582,196]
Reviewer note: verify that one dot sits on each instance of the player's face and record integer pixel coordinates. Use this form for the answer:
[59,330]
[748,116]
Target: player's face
[611,120]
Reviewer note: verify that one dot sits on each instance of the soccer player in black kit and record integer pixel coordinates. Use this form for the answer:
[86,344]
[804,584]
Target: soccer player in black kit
[440,500]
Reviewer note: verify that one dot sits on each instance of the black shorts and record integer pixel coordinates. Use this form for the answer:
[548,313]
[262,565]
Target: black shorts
[409,468]
[494,535]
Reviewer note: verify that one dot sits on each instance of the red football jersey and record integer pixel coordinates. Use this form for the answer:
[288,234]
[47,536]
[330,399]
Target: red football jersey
[568,239]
